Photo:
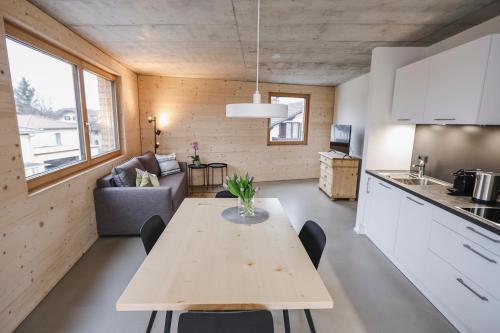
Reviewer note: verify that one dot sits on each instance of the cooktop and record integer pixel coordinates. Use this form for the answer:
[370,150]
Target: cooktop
[489,213]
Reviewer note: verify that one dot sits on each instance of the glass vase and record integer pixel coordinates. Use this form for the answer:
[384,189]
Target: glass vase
[246,207]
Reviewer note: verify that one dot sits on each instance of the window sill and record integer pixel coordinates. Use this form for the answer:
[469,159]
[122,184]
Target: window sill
[59,182]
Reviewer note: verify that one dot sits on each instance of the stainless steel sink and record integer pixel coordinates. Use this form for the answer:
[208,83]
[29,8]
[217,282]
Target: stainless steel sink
[415,181]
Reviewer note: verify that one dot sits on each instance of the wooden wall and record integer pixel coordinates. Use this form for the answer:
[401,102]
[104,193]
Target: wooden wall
[195,109]
[43,234]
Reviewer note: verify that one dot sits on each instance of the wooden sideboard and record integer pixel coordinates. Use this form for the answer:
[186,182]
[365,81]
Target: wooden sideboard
[339,175]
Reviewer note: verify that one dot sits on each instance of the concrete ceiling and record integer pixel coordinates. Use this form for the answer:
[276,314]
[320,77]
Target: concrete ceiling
[320,42]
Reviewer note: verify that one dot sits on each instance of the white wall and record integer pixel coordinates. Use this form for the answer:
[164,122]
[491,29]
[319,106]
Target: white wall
[387,145]
[351,101]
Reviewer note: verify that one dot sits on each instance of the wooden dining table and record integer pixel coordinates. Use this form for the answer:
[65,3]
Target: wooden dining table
[204,262]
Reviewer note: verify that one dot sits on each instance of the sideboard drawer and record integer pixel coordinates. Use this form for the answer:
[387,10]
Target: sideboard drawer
[325,186]
[326,160]
[468,303]
[474,261]
[327,176]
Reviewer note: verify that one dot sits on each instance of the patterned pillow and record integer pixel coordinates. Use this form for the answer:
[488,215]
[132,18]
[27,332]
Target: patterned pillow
[168,164]
[146,179]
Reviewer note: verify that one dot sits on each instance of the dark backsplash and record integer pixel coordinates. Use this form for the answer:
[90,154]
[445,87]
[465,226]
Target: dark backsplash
[453,147]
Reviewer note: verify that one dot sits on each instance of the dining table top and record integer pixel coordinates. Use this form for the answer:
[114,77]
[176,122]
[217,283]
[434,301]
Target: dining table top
[204,262]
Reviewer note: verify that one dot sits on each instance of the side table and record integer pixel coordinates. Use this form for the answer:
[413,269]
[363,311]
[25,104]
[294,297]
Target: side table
[192,167]
[211,167]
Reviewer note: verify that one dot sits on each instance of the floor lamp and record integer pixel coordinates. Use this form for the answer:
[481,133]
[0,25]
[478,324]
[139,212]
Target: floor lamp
[156,131]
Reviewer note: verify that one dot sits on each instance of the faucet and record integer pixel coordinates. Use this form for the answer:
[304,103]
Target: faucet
[422,161]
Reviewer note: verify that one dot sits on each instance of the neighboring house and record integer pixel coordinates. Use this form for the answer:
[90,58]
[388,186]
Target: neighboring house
[283,129]
[50,141]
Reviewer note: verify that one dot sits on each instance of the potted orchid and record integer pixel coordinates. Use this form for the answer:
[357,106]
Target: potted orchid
[242,187]
[195,157]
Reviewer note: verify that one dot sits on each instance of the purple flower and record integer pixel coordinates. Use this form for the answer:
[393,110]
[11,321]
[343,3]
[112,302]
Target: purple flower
[194,145]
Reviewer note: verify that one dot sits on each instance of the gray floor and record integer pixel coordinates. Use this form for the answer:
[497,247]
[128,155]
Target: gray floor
[370,294]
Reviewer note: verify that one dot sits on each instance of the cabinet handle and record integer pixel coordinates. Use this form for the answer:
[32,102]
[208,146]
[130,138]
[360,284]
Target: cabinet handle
[415,201]
[481,297]
[383,185]
[443,119]
[485,236]
[403,119]
[368,185]
[468,247]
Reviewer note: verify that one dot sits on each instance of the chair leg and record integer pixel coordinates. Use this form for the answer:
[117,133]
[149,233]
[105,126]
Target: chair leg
[310,321]
[151,321]
[168,321]
[286,321]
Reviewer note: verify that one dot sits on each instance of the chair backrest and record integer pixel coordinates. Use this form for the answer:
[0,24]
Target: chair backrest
[151,231]
[314,240]
[226,322]
[224,194]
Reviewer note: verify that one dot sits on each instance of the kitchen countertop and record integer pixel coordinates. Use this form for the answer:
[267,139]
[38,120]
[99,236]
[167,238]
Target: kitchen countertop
[438,195]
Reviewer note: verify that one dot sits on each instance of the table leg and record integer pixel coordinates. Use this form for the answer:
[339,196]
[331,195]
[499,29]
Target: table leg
[310,321]
[286,321]
[151,321]
[168,321]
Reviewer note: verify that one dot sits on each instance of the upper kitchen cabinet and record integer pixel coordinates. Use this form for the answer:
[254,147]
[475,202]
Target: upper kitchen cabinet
[457,86]
[456,83]
[410,92]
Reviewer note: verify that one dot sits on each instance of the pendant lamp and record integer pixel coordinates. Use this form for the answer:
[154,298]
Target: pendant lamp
[256,109]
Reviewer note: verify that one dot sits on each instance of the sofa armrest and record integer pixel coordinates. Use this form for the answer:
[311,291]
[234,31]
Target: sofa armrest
[183,166]
[123,210]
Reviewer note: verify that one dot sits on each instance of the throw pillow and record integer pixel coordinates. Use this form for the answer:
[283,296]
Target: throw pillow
[146,179]
[168,164]
[124,174]
[148,160]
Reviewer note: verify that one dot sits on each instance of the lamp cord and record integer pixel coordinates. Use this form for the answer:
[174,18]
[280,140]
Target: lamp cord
[258,44]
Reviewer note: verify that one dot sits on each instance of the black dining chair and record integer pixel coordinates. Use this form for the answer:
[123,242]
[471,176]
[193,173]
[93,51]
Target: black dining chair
[226,322]
[224,194]
[150,232]
[314,240]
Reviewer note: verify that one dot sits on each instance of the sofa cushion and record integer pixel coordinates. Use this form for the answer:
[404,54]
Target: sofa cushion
[148,160]
[106,181]
[124,175]
[178,183]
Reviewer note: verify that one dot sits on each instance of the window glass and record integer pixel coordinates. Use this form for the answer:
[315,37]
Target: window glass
[47,108]
[101,113]
[292,128]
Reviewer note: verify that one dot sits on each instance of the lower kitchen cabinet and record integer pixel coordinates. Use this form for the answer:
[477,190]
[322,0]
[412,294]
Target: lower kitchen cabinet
[454,263]
[468,306]
[381,214]
[412,235]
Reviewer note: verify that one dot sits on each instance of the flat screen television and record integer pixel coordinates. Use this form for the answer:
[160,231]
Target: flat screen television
[340,140]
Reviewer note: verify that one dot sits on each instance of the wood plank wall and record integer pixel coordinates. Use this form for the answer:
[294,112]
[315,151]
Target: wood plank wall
[195,109]
[43,234]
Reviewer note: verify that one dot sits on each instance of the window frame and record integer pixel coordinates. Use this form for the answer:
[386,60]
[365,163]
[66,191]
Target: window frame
[39,44]
[307,98]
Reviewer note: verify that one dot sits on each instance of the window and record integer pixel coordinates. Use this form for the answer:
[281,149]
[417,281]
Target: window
[66,109]
[293,129]
[101,113]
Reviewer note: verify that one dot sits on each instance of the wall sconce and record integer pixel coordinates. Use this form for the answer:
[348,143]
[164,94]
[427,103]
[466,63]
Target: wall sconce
[156,131]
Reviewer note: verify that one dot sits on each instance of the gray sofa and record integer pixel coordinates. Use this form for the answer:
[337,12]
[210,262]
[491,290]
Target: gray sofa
[122,208]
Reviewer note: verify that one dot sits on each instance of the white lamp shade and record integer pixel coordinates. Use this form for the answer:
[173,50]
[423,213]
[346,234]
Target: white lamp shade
[256,110]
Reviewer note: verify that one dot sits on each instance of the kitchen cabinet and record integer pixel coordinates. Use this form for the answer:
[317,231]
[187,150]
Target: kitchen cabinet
[456,86]
[465,304]
[381,214]
[454,263]
[456,83]
[410,92]
[412,235]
